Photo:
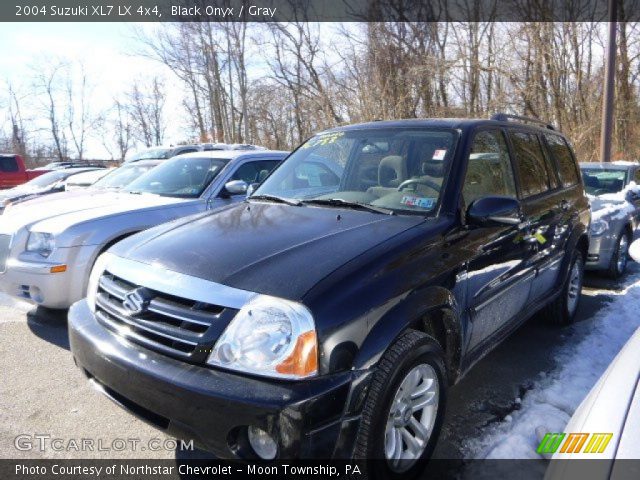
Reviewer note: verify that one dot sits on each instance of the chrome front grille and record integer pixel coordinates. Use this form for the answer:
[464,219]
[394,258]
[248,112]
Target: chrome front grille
[166,323]
[5,244]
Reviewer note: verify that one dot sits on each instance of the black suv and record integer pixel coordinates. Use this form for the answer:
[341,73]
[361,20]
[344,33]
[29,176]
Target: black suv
[325,316]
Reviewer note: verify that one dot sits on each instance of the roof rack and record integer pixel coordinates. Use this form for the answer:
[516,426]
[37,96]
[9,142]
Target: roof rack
[505,117]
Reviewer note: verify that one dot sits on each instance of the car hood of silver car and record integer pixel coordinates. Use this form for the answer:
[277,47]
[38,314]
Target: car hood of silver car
[68,210]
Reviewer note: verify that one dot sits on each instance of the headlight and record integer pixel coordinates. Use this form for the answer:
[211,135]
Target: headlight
[271,337]
[40,242]
[96,273]
[598,227]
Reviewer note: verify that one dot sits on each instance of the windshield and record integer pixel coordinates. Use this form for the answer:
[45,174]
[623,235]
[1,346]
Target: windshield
[179,177]
[400,169]
[47,179]
[123,176]
[151,153]
[603,180]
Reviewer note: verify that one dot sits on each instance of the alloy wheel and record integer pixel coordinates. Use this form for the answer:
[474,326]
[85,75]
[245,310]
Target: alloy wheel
[575,287]
[411,417]
[623,253]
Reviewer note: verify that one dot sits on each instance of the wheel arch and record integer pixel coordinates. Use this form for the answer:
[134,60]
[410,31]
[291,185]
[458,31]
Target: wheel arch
[434,312]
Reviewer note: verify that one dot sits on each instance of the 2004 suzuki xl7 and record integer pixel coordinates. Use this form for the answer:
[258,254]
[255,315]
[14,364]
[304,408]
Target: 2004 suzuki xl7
[325,316]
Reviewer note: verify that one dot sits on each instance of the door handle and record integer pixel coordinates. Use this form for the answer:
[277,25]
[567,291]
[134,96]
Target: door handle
[564,205]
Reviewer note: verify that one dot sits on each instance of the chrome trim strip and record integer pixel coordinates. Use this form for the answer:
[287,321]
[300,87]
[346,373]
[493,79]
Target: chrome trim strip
[131,322]
[177,316]
[178,284]
[130,335]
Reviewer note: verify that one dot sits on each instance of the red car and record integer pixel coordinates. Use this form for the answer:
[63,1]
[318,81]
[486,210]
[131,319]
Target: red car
[13,171]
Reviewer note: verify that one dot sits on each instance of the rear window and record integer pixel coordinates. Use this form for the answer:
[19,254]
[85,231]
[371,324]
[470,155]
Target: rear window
[533,171]
[8,164]
[567,168]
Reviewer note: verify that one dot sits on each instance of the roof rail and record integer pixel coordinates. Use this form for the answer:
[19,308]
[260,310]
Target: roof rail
[505,117]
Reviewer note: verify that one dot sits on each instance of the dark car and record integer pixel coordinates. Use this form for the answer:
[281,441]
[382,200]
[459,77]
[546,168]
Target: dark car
[163,153]
[326,315]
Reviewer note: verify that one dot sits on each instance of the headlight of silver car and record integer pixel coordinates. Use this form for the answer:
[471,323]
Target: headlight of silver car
[41,242]
[271,337]
[598,227]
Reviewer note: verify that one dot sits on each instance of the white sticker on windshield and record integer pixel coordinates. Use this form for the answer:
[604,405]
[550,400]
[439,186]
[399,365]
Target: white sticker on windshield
[439,154]
[422,202]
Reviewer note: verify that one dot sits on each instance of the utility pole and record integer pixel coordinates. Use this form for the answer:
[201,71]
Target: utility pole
[606,131]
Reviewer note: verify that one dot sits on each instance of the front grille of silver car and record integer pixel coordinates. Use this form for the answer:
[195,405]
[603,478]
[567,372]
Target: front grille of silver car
[171,325]
[5,244]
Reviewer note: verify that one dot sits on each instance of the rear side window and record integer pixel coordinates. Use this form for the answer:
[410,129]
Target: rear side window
[8,164]
[534,173]
[489,169]
[567,168]
[255,172]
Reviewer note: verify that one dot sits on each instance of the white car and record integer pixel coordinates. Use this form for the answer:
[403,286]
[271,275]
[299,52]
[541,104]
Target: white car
[606,425]
[47,250]
[85,179]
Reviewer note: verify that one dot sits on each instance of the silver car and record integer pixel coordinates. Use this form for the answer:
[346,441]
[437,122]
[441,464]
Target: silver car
[606,425]
[614,193]
[47,251]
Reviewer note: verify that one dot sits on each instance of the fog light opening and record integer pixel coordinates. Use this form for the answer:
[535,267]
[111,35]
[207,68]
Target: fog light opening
[263,445]
[35,294]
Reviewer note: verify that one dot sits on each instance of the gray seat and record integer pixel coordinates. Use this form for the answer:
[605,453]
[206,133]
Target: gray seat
[392,171]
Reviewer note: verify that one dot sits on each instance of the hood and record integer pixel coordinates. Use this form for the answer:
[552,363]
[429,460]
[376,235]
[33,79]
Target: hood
[22,191]
[610,208]
[62,210]
[273,249]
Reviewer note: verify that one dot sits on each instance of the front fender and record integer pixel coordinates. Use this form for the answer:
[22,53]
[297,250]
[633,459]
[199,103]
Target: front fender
[433,310]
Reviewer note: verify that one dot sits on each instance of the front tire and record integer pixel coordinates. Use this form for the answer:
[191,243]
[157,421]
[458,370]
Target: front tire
[404,409]
[562,311]
[620,256]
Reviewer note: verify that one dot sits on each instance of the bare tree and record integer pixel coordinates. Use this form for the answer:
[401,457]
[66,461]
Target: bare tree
[146,105]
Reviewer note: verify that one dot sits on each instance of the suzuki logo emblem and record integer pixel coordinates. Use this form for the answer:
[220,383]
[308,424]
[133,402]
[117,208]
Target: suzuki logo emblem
[136,301]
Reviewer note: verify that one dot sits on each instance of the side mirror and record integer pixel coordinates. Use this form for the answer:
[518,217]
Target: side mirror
[494,210]
[235,187]
[252,188]
[633,195]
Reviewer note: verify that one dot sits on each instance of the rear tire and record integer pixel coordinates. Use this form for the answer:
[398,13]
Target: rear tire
[620,257]
[562,311]
[404,409]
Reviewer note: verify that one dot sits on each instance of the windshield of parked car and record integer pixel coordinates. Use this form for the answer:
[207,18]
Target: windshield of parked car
[179,177]
[151,153]
[46,179]
[123,176]
[600,181]
[402,170]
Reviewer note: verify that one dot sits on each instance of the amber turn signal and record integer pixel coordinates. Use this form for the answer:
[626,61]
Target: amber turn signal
[303,361]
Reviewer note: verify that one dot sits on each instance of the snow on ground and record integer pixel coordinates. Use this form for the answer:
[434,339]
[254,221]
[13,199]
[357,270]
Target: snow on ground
[556,395]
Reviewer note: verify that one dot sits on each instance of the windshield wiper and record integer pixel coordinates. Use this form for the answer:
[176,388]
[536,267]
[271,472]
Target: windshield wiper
[273,198]
[337,202]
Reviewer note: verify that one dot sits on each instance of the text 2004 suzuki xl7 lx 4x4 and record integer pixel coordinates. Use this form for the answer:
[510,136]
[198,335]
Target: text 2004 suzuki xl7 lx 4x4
[325,316]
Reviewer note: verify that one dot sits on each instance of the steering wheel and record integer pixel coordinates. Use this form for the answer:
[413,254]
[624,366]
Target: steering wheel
[419,181]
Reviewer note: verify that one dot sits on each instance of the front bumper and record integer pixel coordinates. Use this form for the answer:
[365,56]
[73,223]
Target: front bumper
[601,249]
[316,418]
[29,277]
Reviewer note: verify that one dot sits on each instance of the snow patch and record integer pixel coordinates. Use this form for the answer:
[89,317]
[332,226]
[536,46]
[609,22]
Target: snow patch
[548,406]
